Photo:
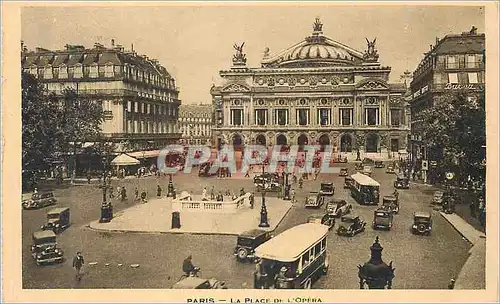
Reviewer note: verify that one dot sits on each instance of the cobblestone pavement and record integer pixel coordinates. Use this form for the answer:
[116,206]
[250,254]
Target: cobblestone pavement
[421,262]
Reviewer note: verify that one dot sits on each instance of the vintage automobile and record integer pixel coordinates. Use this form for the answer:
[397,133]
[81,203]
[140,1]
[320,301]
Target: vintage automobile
[437,199]
[379,164]
[57,220]
[347,182]
[382,218]
[344,172]
[422,223]
[351,225]
[391,202]
[39,200]
[314,200]
[367,170]
[358,166]
[247,242]
[325,219]
[402,182]
[269,180]
[199,283]
[44,248]
[367,161]
[338,207]
[390,169]
[327,188]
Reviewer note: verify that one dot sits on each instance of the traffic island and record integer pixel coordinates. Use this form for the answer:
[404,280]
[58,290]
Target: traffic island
[229,217]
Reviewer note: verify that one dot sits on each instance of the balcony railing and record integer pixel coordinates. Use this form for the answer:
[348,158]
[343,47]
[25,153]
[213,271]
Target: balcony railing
[460,65]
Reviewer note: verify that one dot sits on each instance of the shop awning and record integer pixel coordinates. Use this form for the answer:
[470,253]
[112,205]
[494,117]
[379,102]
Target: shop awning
[145,154]
[124,160]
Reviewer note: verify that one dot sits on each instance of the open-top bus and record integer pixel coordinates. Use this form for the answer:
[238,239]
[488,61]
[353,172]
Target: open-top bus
[293,259]
[364,189]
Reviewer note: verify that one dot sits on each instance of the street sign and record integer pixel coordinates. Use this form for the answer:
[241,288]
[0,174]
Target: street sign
[450,175]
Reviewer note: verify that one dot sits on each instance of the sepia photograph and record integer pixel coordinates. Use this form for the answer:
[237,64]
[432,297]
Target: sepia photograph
[250,146]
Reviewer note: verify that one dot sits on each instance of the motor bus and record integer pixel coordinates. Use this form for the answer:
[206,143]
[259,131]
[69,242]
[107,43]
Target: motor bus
[293,259]
[364,189]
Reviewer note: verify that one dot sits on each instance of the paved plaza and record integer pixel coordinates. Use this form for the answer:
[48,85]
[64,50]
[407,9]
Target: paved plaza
[439,256]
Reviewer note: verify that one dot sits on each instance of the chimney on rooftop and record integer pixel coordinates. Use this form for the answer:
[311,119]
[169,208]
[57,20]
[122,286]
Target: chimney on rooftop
[437,40]
[112,42]
[132,47]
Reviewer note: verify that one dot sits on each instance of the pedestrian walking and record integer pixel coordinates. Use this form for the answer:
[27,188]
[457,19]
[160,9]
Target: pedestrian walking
[212,193]
[35,191]
[247,174]
[158,191]
[301,183]
[242,191]
[292,196]
[89,177]
[111,192]
[136,193]
[78,264]
[143,196]
[204,194]
[472,207]
[124,194]
[252,200]
[119,192]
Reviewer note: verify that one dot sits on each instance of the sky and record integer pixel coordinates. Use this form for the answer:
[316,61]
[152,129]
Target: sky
[195,42]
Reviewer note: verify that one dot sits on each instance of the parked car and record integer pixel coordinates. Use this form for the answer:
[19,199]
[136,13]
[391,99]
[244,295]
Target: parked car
[338,207]
[379,164]
[327,188]
[422,223]
[344,172]
[351,225]
[199,283]
[391,202]
[44,248]
[367,170]
[367,161]
[247,242]
[58,219]
[390,169]
[347,182]
[402,182]
[39,200]
[325,219]
[314,200]
[382,218]
[437,199]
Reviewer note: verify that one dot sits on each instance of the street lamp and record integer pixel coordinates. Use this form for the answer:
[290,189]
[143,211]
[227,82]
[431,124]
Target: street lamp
[263,210]
[286,195]
[376,273]
[171,189]
[106,207]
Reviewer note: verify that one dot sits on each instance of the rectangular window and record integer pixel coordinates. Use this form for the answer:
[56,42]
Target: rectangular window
[305,260]
[236,117]
[261,117]
[395,117]
[63,72]
[136,107]
[345,116]
[472,77]
[47,73]
[452,78]
[93,71]
[109,71]
[149,108]
[324,117]
[281,117]
[451,62]
[323,244]
[303,117]
[471,61]
[371,116]
[317,249]
[129,106]
[78,73]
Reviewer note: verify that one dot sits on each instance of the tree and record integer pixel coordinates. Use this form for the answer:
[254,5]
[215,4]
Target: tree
[40,124]
[81,120]
[456,126]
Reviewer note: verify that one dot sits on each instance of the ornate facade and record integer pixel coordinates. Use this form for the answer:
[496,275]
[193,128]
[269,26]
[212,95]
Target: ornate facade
[318,91]
[138,95]
[195,123]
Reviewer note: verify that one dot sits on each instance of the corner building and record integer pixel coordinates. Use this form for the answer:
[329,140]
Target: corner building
[317,91]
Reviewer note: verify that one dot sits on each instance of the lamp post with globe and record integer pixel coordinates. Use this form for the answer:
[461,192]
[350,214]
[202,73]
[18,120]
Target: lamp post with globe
[106,207]
[263,210]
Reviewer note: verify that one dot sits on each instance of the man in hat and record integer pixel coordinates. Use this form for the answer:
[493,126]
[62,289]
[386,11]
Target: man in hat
[78,264]
[158,191]
[187,266]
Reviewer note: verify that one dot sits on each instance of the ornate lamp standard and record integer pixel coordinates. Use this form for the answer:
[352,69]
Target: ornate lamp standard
[263,211]
[171,189]
[106,207]
[286,195]
[376,273]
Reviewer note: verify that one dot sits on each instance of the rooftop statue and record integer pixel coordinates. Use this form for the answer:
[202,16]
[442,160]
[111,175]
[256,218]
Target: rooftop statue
[239,57]
[371,53]
[317,26]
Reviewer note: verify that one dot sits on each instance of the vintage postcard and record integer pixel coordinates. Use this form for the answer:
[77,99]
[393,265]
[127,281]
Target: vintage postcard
[278,152]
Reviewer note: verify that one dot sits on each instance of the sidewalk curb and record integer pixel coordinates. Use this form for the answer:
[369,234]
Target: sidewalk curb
[472,242]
